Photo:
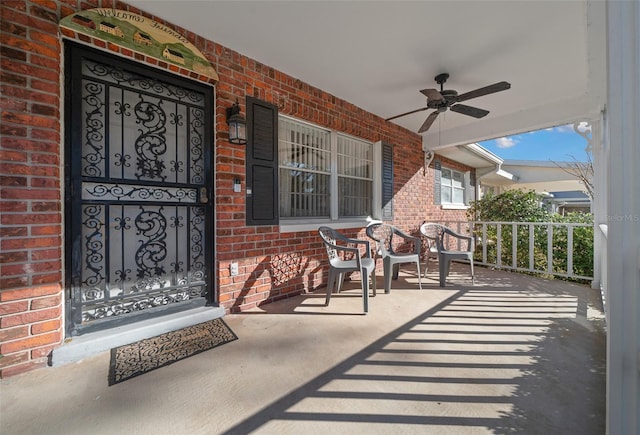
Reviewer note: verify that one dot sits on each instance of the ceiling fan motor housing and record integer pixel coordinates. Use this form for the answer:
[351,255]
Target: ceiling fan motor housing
[449,97]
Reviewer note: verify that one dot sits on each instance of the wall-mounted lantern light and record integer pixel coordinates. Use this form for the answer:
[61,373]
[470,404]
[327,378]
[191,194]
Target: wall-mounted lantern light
[237,124]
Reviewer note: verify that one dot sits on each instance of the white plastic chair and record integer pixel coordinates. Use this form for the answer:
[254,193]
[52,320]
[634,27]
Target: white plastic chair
[345,256]
[439,234]
[384,235]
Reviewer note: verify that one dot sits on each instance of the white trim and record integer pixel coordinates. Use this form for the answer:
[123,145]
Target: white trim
[314,224]
[454,207]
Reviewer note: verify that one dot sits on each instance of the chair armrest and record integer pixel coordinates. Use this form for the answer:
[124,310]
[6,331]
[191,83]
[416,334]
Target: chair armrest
[417,242]
[469,239]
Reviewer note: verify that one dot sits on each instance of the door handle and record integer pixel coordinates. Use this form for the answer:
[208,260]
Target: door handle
[204,198]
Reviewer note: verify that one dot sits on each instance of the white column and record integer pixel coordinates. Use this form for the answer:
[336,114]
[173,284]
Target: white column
[623,109]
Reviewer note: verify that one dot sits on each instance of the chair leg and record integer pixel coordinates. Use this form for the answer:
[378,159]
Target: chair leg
[426,266]
[396,271]
[387,275]
[442,271]
[340,279]
[373,281]
[330,283]
[419,276]
[473,276]
[365,293]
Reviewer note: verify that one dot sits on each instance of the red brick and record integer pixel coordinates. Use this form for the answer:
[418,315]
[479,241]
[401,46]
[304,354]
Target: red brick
[13,156]
[13,359]
[28,293]
[31,120]
[13,231]
[51,325]
[25,194]
[13,257]
[32,218]
[46,254]
[29,317]
[46,302]
[13,282]
[46,230]
[48,278]
[39,206]
[13,308]
[42,352]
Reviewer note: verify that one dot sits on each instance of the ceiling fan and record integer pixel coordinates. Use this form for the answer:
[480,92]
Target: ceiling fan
[448,99]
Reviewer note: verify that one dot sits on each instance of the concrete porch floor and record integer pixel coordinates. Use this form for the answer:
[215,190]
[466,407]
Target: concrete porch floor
[511,354]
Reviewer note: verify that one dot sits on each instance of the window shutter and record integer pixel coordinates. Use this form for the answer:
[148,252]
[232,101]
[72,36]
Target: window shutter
[262,163]
[470,187]
[437,166]
[387,181]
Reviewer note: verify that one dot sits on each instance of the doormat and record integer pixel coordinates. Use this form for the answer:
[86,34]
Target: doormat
[137,358]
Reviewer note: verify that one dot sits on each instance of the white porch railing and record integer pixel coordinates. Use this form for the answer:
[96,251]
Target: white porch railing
[602,258]
[548,248]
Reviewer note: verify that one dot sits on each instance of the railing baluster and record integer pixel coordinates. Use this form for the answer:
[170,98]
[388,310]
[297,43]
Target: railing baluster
[514,245]
[550,248]
[569,250]
[499,245]
[484,243]
[531,247]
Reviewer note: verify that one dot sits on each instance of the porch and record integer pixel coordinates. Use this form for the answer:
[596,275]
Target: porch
[512,354]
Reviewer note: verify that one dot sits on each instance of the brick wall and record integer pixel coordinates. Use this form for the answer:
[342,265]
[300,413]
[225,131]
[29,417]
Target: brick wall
[272,265]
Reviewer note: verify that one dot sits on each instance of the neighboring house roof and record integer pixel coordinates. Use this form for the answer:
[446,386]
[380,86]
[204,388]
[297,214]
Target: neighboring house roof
[540,176]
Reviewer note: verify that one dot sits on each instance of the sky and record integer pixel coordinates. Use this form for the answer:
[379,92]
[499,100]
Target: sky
[558,144]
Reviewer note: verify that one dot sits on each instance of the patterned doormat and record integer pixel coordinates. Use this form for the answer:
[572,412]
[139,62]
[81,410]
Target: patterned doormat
[149,354]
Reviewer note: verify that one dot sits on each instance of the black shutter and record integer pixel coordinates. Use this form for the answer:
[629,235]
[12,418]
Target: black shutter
[436,184]
[387,181]
[262,162]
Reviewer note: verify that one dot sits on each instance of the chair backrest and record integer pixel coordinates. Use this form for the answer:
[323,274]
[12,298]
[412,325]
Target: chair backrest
[329,236]
[434,233]
[444,237]
[383,236]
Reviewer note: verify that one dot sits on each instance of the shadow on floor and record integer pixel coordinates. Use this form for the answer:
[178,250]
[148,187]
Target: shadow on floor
[511,356]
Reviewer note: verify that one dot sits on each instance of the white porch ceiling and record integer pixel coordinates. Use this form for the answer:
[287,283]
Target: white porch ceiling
[379,54]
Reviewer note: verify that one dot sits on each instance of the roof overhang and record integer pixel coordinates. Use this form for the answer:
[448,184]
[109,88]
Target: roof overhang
[379,55]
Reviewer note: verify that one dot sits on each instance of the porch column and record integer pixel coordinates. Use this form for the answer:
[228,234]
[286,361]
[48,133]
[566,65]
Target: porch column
[623,341]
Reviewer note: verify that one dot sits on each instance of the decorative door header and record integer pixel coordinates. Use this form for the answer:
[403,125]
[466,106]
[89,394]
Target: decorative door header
[142,35]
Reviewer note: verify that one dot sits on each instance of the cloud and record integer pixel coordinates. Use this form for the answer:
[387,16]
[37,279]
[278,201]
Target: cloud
[583,127]
[506,142]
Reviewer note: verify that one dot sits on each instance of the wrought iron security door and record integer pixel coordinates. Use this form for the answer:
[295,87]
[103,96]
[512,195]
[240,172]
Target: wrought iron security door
[140,216]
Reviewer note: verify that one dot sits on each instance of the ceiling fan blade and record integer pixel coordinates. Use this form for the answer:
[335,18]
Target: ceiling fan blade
[496,87]
[468,110]
[432,94]
[428,122]
[407,113]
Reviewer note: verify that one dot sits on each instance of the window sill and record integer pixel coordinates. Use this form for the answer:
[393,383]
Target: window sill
[454,207]
[313,225]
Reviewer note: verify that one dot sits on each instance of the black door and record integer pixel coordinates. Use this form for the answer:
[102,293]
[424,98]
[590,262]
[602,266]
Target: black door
[139,215]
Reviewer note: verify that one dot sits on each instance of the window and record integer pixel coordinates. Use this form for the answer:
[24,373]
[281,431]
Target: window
[323,174]
[452,187]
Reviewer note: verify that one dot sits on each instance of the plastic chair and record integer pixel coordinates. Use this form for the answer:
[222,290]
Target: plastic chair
[344,256]
[386,247]
[439,234]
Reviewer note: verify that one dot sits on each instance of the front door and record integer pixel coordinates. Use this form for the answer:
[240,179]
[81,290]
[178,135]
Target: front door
[139,213]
